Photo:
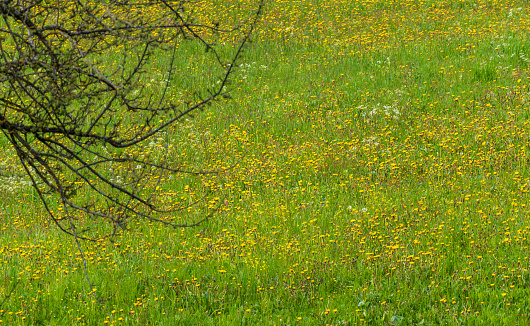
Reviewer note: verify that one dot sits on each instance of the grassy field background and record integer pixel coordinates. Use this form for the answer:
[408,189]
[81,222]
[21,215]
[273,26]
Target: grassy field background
[382,179]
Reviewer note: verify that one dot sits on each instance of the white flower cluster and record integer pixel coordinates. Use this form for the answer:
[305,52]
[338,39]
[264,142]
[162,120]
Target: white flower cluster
[371,142]
[378,110]
[157,141]
[244,67]
[383,64]
[510,13]
[523,57]
[12,183]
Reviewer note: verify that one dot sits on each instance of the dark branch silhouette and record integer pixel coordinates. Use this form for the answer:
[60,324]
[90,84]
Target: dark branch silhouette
[75,102]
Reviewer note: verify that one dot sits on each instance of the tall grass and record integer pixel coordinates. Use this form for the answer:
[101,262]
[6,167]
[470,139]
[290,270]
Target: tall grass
[382,179]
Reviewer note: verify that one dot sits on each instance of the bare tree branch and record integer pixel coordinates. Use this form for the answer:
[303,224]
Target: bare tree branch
[76,106]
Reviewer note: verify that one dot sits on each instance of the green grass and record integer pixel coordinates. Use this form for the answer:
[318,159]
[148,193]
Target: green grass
[383,180]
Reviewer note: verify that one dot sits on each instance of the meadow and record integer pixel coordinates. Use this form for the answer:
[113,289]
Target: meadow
[381,177]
